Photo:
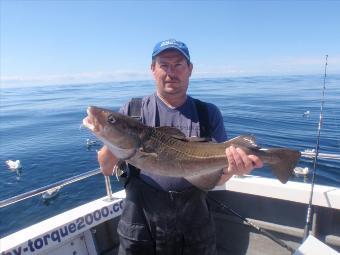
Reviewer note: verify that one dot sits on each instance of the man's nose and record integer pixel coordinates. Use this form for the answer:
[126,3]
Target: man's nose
[170,70]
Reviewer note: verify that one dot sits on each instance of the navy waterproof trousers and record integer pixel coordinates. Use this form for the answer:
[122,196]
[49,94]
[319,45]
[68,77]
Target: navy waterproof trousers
[165,223]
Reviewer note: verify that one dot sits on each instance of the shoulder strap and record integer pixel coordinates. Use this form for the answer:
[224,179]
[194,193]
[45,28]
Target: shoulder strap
[135,108]
[203,118]
[134,111]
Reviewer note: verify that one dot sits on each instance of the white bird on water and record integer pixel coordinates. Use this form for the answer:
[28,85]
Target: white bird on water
[13,165]
[301,171]
[306,114]
[51,193]
[90,142]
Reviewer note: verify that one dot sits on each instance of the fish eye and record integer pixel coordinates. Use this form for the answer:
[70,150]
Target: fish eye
[111,119]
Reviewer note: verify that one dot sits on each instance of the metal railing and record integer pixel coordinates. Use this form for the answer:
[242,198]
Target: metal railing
[32,193]
[312,154]
[44,189]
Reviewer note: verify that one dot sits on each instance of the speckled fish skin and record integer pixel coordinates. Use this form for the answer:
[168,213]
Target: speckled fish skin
[166,151]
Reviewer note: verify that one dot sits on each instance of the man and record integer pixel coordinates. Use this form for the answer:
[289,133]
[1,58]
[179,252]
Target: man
[167,215]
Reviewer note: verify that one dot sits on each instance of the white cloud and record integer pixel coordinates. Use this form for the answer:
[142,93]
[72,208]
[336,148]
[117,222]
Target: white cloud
[279,66]
[77,78]
[273,66]
[308,64]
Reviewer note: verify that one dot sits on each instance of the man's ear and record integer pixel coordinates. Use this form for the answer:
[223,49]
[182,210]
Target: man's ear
[152,67]
[191,66]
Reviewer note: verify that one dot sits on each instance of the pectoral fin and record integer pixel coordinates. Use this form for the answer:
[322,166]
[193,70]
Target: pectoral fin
[143,153]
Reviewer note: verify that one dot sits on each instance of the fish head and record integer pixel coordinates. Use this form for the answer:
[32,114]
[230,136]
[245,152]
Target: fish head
[117,131]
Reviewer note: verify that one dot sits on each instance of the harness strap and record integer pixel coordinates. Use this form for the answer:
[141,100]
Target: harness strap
[203,118]
[135,108]
[134,111]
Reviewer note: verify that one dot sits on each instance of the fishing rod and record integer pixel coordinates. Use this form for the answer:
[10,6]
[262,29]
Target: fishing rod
[309,209]
[249,223]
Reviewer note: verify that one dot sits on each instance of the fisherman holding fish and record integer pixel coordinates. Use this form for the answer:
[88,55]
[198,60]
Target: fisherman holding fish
[168,214]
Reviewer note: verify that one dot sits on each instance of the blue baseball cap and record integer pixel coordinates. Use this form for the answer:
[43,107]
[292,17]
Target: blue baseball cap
[171,44]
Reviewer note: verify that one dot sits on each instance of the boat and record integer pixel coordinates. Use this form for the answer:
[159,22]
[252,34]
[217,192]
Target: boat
[272,221]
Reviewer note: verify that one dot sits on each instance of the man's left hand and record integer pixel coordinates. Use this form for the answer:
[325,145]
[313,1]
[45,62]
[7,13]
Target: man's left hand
[239,163]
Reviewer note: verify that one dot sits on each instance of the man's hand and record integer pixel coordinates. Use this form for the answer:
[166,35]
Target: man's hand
[106,161]
[239,163]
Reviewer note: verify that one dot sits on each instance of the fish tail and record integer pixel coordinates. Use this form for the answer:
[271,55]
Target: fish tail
[283,162]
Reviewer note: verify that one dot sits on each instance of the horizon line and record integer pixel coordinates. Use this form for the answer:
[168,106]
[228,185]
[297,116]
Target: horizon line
[63,80]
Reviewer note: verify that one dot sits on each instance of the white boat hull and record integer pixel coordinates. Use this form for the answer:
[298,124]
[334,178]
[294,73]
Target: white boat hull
[278,208]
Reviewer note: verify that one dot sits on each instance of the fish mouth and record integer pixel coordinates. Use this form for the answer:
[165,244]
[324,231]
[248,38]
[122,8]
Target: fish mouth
[91,121]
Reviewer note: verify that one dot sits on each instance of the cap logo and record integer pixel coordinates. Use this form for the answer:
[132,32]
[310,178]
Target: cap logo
[169,42]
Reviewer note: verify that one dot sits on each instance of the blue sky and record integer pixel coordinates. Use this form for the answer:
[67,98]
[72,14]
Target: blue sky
[55,42]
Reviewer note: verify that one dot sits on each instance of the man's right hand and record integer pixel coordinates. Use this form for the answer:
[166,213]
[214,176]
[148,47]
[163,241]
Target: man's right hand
[106,161]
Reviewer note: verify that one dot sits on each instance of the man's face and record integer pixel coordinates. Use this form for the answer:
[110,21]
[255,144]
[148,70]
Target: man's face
[171,72]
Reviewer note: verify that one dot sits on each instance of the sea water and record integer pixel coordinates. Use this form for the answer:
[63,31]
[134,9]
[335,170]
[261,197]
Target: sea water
[40,126]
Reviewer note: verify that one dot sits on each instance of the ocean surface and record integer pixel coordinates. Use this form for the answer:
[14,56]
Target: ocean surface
[40,126]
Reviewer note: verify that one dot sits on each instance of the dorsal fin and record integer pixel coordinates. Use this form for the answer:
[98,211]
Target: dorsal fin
[172,131]
[196,139]
[248,141]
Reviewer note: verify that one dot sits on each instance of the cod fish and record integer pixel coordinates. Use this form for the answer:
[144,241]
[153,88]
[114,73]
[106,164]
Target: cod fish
[166,151]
